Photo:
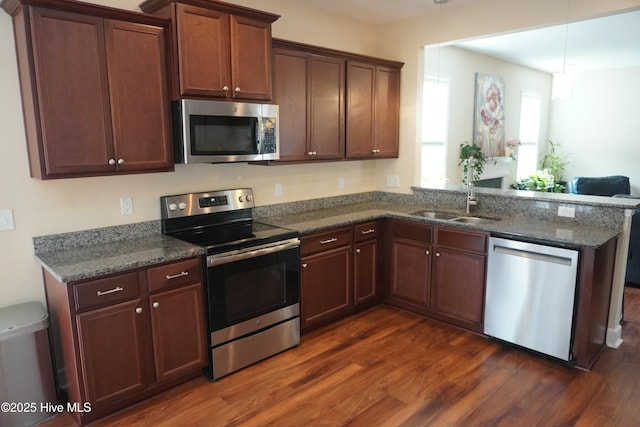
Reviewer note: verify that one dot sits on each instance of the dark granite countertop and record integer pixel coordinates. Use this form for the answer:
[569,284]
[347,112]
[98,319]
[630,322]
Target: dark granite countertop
[541,231]
[121,248]
[87,262]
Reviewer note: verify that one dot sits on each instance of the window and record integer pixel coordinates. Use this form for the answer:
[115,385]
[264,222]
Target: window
[435,113]
[530,106]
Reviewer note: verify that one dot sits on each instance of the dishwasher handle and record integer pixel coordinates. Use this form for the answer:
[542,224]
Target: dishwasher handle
[536,256]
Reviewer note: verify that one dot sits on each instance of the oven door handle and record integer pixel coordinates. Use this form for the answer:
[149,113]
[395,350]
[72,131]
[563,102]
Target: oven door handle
[252,252]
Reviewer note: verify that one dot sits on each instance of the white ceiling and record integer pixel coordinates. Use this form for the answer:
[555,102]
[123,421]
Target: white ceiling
[608,42]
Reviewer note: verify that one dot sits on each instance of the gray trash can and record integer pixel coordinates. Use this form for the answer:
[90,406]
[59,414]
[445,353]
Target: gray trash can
[27,390]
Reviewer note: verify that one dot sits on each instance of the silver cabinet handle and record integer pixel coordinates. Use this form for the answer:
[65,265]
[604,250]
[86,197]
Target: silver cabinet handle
[112,162]
[156,304]
[437,253]
[312,153]
[324,242]
[110,291]
[120,161]
[369,231]
[225,88]
[427,252]
[139,310]
[175,276]
[304,265]
[358,250]
[237,90]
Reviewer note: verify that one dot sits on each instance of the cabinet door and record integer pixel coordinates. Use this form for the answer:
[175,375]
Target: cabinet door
[290,92]
[458,286]
[325,286]
[203,51]
[360,109]
[365,272]
[73,96]
[177,323]
[136,59]
[114,359]
[326,107]
[410,275]
[387,112]
[250,58]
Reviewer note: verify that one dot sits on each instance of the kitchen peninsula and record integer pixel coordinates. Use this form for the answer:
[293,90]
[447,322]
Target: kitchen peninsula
[598,231]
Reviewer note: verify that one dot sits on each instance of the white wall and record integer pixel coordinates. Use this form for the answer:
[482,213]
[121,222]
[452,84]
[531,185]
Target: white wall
[454,22]
[460,66]
[45,207]
[599,126]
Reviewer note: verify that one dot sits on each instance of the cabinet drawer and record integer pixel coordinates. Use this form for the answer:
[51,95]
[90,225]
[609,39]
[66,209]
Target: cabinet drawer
[413,231]
[105,291]
[325,241]
[463,240]
[366,231]
[174,274]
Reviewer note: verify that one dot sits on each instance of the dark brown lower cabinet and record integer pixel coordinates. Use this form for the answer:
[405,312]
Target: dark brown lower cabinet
[122,338]
[438,272]
[458,280]
[339,273]
[366,268]
[409,279]
[325,277]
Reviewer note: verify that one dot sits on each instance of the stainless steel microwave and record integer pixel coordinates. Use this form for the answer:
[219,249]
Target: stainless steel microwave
[220,132]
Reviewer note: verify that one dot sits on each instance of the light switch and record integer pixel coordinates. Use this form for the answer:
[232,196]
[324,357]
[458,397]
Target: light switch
[6,220]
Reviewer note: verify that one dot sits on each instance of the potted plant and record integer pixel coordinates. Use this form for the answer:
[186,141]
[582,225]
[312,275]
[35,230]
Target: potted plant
[467,151]
[539,181]
[554,163]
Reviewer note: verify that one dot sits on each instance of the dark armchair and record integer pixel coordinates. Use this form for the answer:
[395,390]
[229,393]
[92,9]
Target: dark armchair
[616,186]
[600,186]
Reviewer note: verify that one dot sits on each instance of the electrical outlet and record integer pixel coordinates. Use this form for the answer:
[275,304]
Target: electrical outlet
[6,220]
[393,181]
[126,206]
[566,211]
[278,190]
[340,183]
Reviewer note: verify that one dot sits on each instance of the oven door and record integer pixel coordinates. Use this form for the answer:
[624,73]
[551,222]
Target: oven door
[254,283]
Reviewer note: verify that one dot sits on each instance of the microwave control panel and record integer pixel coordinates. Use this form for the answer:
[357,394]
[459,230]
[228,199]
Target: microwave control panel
[269,135]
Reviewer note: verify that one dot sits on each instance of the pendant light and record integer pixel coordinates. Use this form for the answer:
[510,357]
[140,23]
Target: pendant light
[562,86]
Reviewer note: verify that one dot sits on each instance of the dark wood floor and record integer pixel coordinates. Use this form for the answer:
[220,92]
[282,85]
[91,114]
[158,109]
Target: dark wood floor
[386,367]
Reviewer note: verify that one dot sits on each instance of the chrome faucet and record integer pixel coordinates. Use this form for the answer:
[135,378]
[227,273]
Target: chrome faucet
[471,197]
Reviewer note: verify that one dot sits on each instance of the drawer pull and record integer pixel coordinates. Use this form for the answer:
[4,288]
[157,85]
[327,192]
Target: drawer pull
[369,231]
[324,242]
[139,310]
[156,304]
[110,291]
[175,276]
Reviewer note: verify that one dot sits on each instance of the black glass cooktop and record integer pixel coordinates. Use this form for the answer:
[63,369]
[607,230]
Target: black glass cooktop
[240,235]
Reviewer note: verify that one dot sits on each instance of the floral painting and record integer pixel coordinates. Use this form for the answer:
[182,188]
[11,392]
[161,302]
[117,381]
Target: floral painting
[488,118]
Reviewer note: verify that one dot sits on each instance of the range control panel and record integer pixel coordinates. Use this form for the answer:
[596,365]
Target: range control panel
[205,203]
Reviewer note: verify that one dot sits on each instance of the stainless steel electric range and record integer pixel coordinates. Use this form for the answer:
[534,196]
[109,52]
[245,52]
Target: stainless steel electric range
[252,276]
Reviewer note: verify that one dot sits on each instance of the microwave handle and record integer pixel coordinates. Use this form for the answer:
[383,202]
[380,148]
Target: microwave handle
[259,133]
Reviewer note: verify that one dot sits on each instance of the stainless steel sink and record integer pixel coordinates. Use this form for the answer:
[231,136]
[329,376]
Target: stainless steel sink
[445,216]
[453,217]
[474,220]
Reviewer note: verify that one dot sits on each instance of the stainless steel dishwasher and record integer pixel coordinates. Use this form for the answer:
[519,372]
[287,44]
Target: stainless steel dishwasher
[530,295]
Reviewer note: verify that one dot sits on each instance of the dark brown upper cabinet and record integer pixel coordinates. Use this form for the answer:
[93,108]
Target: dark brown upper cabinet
[94,88]
[335,105]
[373,111]
[221,50]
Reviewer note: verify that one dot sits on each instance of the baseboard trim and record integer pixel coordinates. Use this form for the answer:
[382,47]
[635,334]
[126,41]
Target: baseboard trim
[614,337]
